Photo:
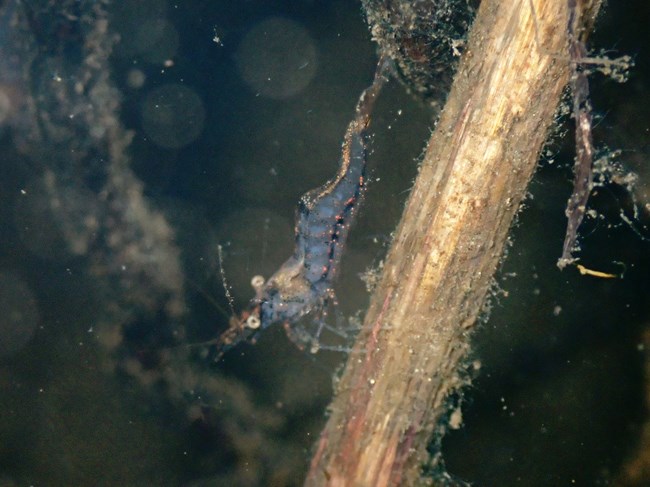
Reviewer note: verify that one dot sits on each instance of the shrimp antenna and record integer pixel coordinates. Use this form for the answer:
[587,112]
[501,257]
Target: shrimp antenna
[224,282]
[208,298]
[226,288]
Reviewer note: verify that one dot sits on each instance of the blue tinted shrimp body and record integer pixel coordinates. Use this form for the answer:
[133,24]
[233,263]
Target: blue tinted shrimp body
[323,218]
[324,215]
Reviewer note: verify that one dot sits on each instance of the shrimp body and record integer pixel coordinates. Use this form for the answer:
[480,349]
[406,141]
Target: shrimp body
[323,218]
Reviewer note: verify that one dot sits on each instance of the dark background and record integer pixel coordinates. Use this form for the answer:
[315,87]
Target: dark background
[560,395]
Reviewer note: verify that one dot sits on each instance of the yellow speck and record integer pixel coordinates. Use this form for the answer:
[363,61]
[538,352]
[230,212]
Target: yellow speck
[589,272]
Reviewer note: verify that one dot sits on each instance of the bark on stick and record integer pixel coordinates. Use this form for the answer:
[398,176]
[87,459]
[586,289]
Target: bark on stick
[393,394]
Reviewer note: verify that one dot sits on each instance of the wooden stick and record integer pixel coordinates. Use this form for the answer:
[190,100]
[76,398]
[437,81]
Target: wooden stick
[394,395]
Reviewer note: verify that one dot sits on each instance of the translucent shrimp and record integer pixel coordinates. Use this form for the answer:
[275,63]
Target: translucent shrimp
[303,283]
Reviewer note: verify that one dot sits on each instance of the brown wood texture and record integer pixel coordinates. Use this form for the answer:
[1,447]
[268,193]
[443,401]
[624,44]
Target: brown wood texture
[407,360]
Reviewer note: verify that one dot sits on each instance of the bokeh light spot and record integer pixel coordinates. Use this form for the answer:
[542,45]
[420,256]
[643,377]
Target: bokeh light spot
[277,58]
[173,116]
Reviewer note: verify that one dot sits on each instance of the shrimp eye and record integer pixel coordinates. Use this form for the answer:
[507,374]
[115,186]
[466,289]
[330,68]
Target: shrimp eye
[257,282]
[253,322]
